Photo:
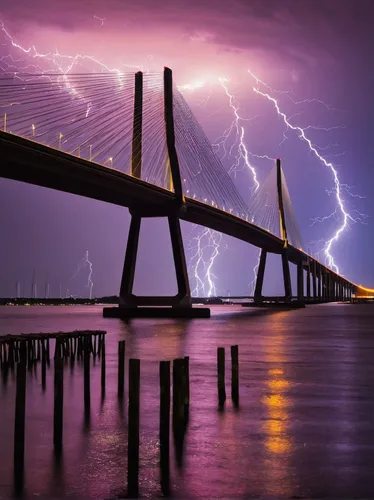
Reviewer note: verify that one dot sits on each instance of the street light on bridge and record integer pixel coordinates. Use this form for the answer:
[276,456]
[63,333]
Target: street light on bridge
[59,140]
[110,160]
[33,130]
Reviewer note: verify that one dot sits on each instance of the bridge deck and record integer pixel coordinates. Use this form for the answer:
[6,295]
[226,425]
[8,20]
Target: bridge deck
[27,161]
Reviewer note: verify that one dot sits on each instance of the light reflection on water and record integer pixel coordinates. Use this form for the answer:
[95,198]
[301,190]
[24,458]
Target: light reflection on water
[298,399]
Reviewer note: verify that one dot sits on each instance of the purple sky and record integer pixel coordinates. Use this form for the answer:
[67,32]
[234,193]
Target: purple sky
[319,49]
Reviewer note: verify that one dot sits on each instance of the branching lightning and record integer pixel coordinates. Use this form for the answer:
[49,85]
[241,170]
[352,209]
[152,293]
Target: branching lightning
[85,262]
[201,270]
[338,187]
[101,19]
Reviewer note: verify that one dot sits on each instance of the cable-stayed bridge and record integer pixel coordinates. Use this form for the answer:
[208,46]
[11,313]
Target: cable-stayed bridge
[136,143]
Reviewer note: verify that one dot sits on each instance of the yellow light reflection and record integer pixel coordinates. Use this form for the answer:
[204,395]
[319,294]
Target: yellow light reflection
[277,440]
[278,443]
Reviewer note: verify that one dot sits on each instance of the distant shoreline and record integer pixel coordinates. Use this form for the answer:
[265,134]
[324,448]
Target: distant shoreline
[69,301]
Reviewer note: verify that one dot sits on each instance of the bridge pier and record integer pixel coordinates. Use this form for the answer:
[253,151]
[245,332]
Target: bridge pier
[319,283]
[286,277]
[258,298]
[179,305]
[308,281]
[314,279]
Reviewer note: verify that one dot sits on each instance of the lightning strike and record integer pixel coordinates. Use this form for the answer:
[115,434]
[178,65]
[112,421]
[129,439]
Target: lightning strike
[341,206]
[85,262]
[101,19]
[238,128]
[201,269]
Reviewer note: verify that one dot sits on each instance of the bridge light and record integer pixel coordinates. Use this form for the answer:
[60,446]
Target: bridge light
[59,140]
[91,152]
[33,130]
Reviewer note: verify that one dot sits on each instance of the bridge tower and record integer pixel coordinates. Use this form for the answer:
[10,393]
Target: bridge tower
[181,304]
[258,297]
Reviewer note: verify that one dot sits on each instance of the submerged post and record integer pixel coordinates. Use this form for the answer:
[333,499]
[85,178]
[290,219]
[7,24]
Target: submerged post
[136,157]
[235,375]
[221,375]
[58,403]
[121,368]
[133,429]
[19,420]
[170,135]
[164,425]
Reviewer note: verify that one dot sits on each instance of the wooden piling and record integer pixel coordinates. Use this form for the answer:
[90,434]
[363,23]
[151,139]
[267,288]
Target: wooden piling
[235,374]
[165,426]
[133,429]
[186,381]
[86,373]
[38,354]
[178,391]
[58,403]
[48,356]
[19,419]
[44,364]
[121,368]
[103,367]
[221,375]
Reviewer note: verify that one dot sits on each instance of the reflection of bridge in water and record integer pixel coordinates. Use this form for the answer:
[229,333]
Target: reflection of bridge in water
[51,122]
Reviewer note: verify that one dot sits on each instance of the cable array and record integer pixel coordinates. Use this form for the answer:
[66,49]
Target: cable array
[87,115]
[264,208]
[92,116]
[203,175]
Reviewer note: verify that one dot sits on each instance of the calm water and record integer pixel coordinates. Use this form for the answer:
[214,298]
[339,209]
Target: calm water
[305,427]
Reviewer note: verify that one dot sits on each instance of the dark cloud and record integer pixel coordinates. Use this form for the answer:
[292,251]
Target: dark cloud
[302,30]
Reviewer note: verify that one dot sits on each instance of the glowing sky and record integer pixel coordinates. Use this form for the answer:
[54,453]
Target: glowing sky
[316,49]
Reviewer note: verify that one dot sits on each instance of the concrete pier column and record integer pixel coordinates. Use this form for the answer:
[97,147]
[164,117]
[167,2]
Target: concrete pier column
[260,277]
[300,281]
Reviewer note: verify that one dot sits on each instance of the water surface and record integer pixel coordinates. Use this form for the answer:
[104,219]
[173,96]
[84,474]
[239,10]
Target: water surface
[305,426]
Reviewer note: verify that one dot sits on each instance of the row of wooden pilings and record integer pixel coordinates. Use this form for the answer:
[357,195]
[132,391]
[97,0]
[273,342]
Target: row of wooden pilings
[85,344]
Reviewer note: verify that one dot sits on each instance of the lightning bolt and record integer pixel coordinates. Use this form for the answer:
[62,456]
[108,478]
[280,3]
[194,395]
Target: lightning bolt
[101,19]
[237,147]
[341,208]
[85,262]
[236,127]
[201,269]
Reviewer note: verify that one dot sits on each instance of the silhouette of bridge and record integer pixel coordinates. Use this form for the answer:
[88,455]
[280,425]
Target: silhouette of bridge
[135,143]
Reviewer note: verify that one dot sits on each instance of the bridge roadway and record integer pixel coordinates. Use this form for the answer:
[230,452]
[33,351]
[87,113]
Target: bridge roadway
[27,161]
